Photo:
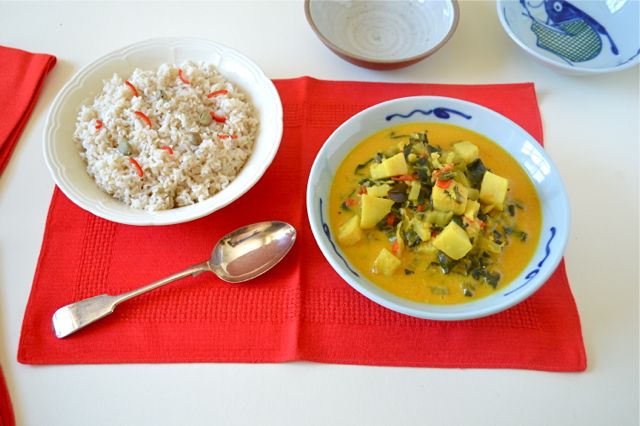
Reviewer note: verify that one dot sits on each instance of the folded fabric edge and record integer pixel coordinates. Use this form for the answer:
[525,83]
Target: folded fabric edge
[545,367]
[45,64]
[7,417]
[22,355]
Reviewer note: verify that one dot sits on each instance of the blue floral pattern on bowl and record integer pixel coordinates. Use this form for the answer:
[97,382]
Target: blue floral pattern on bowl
[440,112]
[532,274]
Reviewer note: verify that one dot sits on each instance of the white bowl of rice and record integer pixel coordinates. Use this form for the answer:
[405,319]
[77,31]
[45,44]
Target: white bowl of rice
[163,131]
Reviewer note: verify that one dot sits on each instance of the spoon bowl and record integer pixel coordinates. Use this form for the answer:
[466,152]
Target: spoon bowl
[239,256]
[251,251]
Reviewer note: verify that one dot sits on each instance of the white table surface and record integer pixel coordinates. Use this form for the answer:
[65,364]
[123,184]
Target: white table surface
[591,128]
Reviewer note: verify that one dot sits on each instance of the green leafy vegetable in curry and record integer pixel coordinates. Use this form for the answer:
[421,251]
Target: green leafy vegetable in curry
[439,208]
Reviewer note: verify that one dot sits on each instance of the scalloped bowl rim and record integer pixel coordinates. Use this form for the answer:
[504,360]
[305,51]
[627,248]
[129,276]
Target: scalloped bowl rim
[82,189]
[350,134]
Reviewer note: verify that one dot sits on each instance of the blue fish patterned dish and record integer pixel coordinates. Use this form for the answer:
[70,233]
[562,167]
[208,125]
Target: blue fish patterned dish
[576,36]
[516,141]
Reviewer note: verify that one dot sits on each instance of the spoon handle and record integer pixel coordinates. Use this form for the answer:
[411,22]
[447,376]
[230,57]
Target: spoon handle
[73,317]
[193,270]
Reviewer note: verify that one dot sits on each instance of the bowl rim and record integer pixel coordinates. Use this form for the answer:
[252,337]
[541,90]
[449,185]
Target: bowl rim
[162,217]
[381,62]
[558,63]
[540,278]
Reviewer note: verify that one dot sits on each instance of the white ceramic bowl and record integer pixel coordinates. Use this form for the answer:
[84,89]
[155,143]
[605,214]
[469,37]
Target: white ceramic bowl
[522,146]
[69,171]
[383,34]
[579,37]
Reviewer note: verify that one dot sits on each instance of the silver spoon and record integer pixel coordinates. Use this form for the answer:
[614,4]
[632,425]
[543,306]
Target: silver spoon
[239,256]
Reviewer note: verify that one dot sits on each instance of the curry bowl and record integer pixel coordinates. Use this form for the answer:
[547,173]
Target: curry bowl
[578,37]
[69,170]
[389,124]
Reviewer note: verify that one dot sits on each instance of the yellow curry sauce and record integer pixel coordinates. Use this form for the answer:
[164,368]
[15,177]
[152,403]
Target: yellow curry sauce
[420,278]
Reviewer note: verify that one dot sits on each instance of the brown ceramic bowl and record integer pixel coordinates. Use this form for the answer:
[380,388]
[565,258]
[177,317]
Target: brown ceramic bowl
[383,34]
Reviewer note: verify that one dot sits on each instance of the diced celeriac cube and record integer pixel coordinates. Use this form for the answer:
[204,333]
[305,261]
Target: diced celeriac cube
[392,166]
[350,233]
[466,151]
[374,209]
[378,190]
[386,263]
[453,241]
[493,190]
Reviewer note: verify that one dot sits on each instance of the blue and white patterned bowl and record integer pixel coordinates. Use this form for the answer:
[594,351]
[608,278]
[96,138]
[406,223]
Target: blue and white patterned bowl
[521,145]
[579,37]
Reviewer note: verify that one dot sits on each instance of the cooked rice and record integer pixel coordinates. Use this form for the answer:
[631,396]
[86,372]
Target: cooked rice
[191,173]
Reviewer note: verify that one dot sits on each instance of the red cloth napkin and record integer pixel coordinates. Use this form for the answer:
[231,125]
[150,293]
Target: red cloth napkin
[23,74]
[301,310]
[6,411]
